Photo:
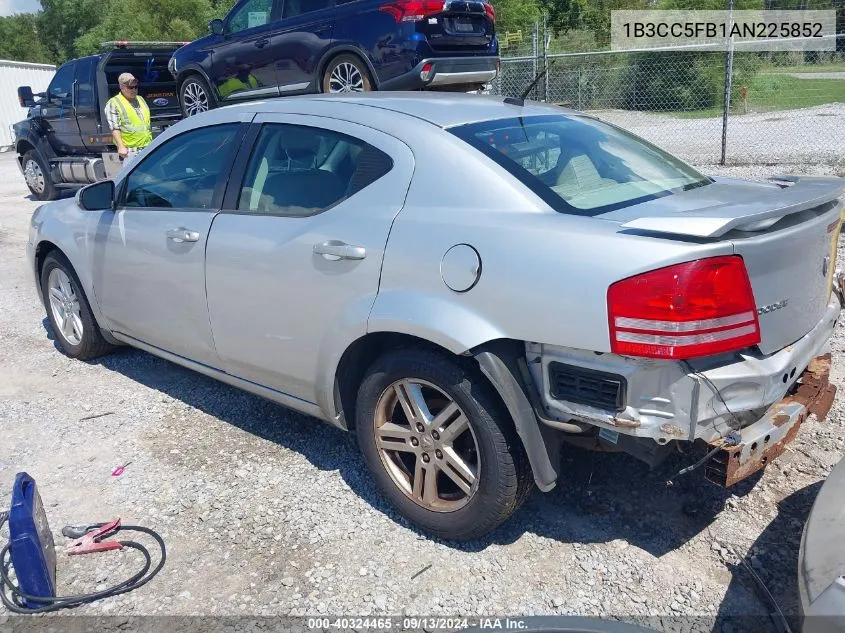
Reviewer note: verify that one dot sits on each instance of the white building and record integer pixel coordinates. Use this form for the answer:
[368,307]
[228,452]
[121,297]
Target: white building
[12,75]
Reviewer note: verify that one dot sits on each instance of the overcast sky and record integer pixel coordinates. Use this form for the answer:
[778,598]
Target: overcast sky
[8,7]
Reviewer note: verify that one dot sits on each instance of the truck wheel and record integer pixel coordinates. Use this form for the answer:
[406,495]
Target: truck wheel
[346,73]
[77,333]
[195,96]
[37,176]
[440,444]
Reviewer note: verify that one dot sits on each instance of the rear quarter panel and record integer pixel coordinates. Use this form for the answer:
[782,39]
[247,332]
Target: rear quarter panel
[544,275]
[390,48]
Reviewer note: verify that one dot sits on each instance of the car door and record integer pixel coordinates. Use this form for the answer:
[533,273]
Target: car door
[85,103]
[293,261]
[302,38]
[148,256]
[243,63]
[58,113]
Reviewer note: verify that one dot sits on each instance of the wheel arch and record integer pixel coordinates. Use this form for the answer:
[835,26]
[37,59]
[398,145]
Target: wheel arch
[499,361]
[44,248]
[346,49]
[359,357]
[23,146]
[40,146]
[195,69]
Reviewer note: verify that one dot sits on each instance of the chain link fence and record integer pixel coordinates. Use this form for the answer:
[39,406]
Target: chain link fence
[784,107]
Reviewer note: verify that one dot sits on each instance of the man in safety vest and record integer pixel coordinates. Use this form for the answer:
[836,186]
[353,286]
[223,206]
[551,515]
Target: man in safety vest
[128,116]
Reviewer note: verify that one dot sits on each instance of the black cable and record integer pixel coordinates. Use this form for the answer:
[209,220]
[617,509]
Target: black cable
[718,394]
[731,440]
[15,598]
[699,463]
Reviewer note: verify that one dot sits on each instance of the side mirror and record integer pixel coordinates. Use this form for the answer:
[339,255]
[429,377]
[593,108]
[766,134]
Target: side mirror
[25,97]
[216,27]
[96,197]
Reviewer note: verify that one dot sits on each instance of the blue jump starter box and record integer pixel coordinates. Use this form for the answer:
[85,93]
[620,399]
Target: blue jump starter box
[32,549]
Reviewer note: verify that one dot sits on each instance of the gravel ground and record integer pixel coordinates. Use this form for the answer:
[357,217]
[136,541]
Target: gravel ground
[267,512]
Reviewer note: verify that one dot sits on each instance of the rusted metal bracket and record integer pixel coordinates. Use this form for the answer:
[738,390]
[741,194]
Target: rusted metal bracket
[767,439]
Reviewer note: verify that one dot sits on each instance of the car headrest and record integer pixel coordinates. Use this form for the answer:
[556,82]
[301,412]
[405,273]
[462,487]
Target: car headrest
[298,144]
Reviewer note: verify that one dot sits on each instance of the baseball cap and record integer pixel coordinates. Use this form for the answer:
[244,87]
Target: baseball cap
[126,78]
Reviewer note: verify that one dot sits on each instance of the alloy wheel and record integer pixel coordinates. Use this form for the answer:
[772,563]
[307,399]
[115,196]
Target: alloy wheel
[346,78]
[34,176]
[195,99]
[64,305]
[427,445]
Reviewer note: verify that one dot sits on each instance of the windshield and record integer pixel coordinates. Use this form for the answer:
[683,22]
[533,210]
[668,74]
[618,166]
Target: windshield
[579,165]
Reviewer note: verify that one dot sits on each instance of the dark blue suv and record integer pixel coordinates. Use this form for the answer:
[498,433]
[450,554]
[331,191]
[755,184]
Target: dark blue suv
[267,48]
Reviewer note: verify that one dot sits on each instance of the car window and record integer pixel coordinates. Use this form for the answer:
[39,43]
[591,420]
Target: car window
[184,171]
[62,84]
[251,14]
[294,8]
[85,87]
[299,171]
[580,165]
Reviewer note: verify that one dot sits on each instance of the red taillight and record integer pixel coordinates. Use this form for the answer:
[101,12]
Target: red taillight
[412,10]
[425,73]
[490,11]
[684,311]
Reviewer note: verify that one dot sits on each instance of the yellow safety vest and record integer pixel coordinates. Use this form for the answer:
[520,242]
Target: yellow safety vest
[236,84]
[135,132]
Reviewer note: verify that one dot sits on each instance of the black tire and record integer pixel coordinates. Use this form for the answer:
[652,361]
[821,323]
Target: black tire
[189,90]
[46,192]
[348,61]
[505,480]
[91,344]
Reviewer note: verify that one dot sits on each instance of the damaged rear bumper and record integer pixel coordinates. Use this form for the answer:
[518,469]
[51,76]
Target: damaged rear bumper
[749,449]
[668,401]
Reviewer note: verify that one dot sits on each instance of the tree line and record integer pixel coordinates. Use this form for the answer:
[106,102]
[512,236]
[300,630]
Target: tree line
[65,29]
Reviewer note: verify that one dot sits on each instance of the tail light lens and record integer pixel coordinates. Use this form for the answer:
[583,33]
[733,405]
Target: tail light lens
[684,311]
[425,73]
[490,11]
[412,10]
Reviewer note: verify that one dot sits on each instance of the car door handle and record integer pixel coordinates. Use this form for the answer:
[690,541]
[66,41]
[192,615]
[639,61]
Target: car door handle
[181,235]
[334,250]
[261,43]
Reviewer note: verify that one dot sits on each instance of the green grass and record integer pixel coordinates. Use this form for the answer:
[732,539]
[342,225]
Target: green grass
[698,114]
[769,91]
[808,68]
[780,92]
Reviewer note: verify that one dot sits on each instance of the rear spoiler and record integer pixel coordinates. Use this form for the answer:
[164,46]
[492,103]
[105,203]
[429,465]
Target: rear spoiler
[796,194]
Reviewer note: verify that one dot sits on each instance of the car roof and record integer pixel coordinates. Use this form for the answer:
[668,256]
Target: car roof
[443,109]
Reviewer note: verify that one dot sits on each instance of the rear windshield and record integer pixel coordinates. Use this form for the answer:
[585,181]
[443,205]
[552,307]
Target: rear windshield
[148,67]
[579,165]
[158,86]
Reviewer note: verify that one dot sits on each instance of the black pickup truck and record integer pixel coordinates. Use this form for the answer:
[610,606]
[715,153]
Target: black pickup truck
[65,141]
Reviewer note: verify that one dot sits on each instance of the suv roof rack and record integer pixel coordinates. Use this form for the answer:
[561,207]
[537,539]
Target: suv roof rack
[128,44]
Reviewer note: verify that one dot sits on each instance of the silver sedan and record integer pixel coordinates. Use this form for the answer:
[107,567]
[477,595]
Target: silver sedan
[466,281]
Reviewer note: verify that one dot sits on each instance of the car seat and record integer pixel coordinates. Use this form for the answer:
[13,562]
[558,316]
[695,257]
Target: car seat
[579,175]
[287,181]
